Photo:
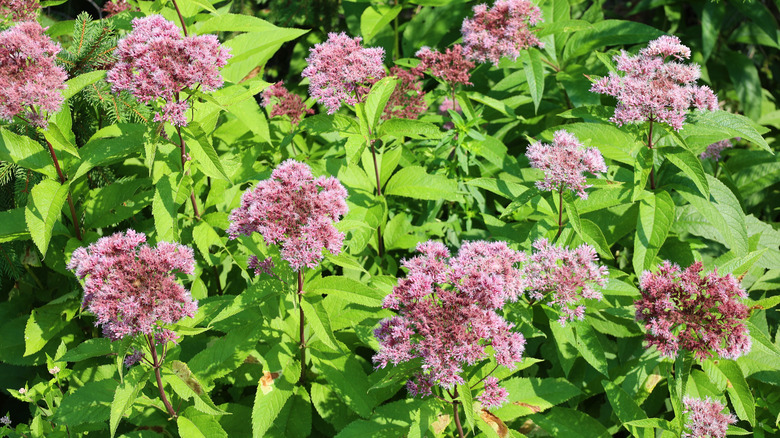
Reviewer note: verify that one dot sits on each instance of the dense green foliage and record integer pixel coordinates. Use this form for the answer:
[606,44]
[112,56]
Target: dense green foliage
[236,370]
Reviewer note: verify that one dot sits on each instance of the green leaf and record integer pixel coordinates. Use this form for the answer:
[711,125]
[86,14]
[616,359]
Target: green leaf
[74,85]
[729,125]
[164,209]
[414,182]
[744,75]
[44,323]
[691,166]
[44,207]
[608,33]
[225,354]
[465,398]
[87,349]
[109,145]
[271,399]
[398,374]
[625,407]
[89,404]
[711,22]
[739,391]
[13,225]
[654,423]
[656,215]
[613,142]
[345,375]
[346,289]
[186,386]
[410,128]
[528,395]
[126,393]
[204,153]
[375,18]
[252,49]
[26,153]
[59,141]
[188,428]
[570,422]
[377,100]
[589,346]
[318,320]
[595,237]
[534,73]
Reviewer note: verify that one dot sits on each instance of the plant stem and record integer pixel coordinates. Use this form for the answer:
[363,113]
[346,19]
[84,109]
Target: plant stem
[560,214]
[157,365]
[380,242]
[70,198]
[455,413]
[183,26]
[302,344]
[183,148]
[652,154]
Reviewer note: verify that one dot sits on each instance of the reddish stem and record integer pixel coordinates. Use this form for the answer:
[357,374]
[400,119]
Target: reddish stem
[302,344]
[183,26]
[70,198]
[157,365]
[456,414]
[380,242]
[183,148]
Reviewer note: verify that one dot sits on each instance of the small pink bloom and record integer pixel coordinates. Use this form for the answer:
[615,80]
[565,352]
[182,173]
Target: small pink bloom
[54,370]
[19,10]
[656,85]
[713,151]
[115,7]
[564,162]
[30,79]
[408,98]
[341,71]
[493,396]
[705,418]
[283,103]
[293,209]
[701,314]
[130,287]
[451,66]
[502,30]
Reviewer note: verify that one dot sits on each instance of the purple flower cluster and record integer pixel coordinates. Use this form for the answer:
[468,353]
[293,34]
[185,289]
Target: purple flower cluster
[493,396]
[284,103]
[569,276]
[293,209]
[713,151]
[131,288]
[451,66]
[115,7]
[447,314]
[655,88]
[685,310]
[133,358]
[340,70]
[408,98]
[564,162]
[156,62]
[502,30]
[30,80]
[19,10]
[706,418]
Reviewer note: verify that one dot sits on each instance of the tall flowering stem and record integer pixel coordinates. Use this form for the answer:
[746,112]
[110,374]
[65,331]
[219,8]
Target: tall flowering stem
[73,214]
[456,413]
[296,211]
[157,362]
[652,154]
[181,18]
[564,163]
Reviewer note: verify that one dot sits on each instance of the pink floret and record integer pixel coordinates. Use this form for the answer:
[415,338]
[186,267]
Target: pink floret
[564,163]
[502,30]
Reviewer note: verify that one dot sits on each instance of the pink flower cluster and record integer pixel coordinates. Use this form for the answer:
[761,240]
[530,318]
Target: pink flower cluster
[30,79]
[493,396]
[284,103]
[655,88]
[447,314]
[408,98]
[156,62]
[340,70]
[701,314]
[19,10]
[451,66]
[713,151]
[564,162]
[706,418]
[568,275]
[115,7]
[293,209]
[131,288]
[502,30]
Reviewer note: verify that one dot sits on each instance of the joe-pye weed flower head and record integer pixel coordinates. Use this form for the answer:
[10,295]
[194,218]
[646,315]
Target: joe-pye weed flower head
[564,163]
[705,418]
[340,70]
[19,10]
[283,103]
[656,85]
[131,287]
[502,30]
[155,62]
[30,79]
[296,211]
[451,65]
[684,310]
[447,314]
[566,276]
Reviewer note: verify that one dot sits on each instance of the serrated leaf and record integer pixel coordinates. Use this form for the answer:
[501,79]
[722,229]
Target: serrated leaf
[466,400]
[107,146]
[347,289]
[570,422]
[13,225]
[375,18]
[74,85]
[690,165]
[164,209]
[625,407]
[739,391]
[225,354]
[377,100]
[410,128]
[204,153]
[729,125]
[415,182]
[187,386]
[534,73]
[268,405]
[26,153]
[89,404]
[345,375]
[125,395]
[87,349]
[656,215]
[318,320]
[44,208]
[590,347]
